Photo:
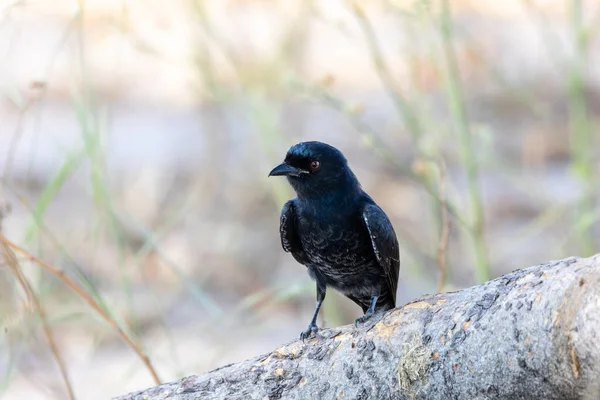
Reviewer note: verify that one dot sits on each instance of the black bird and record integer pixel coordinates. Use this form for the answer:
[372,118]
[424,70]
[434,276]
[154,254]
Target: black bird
[337,231]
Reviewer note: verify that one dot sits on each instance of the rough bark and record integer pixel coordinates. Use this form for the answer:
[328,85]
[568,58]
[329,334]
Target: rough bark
[531,334]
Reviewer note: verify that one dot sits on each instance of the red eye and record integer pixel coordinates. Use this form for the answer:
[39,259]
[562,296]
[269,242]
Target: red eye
[314,165]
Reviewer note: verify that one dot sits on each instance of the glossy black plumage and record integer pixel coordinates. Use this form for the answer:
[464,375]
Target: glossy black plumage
[337,231]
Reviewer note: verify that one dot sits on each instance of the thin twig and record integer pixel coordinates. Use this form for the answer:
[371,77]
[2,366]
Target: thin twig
[19,129]
[459,113]
[444,232]
[13,263]
[581,131]
[62,276]
[400,102]
[14,141]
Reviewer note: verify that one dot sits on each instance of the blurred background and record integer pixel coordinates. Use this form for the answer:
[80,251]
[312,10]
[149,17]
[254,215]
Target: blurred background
[136,138]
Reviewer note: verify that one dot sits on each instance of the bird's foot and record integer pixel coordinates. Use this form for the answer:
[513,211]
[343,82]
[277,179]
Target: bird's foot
[362,319]
[312,328]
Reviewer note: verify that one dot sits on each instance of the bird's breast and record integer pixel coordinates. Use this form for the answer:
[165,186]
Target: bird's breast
[336,247]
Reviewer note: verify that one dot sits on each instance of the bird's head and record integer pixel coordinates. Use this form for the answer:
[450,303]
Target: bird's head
[316,169]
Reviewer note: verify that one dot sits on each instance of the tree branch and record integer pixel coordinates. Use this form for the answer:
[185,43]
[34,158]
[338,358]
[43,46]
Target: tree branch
[533,333]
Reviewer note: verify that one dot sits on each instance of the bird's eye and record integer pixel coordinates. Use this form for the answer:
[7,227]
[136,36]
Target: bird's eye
[314,165]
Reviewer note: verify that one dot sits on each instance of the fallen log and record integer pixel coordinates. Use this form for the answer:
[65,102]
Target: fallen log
[530,334]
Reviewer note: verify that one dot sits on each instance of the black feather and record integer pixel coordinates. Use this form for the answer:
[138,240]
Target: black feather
[385,244]
[289,235]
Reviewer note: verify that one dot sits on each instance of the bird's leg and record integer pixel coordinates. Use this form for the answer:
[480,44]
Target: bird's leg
[312,326]
[369,312]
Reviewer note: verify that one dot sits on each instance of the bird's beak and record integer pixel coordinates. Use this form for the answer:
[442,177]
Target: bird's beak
[284,169]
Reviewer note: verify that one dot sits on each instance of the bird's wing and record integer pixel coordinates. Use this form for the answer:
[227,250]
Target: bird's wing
[385,244]
[290,241]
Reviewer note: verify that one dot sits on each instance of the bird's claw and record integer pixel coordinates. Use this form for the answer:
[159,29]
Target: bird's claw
[362,319]
[309,331]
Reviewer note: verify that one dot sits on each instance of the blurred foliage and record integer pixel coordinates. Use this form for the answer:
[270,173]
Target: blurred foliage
[137,136]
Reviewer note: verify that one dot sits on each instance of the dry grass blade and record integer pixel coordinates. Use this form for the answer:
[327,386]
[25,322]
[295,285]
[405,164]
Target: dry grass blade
[444,232]
[13,264]
[62,276]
